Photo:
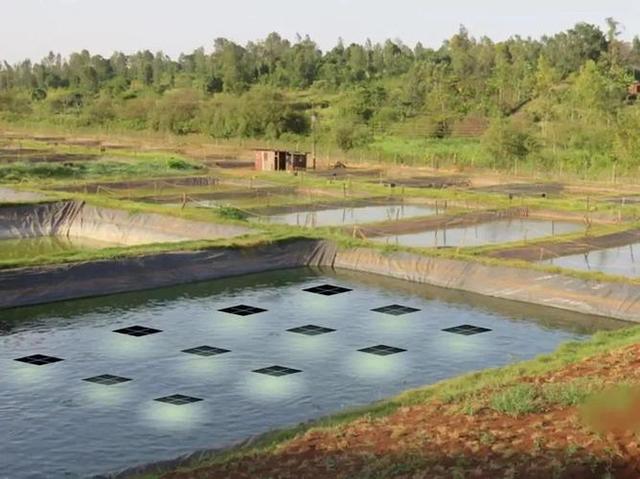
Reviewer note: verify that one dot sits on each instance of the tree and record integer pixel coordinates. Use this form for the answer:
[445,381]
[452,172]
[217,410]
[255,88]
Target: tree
[626,144]
[505,142]
[594,93]
[568,51]
[176,112]
[229,60]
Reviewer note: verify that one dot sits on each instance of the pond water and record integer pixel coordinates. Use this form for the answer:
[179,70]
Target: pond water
[14,249]
[354,215]
[492,232]
[55,423]
[622,261]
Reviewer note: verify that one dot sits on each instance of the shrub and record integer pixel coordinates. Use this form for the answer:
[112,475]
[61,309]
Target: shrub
[506,142]
[231,213]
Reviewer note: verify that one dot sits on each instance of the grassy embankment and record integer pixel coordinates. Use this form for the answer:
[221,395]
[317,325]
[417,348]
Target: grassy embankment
[531,389]
[150,165]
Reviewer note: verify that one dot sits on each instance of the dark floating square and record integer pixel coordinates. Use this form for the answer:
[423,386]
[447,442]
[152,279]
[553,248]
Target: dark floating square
[395,310]
[137,331]
[178,400]
[466,330]
[206,351]
[311,330]
[107,380]
[277,371]
[39,360]
[382,350]
[242,310]
[327,290]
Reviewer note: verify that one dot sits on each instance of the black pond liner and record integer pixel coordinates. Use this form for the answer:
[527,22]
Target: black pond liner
[382,350]
[311,330]
[327,290]
[277,371]
[178,399]
[137,331]
[466,330]
[107,380]
[396,310]
[39,360]
[242,310]
[206,351]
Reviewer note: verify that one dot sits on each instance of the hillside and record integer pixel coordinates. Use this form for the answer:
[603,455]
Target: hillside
[558,103]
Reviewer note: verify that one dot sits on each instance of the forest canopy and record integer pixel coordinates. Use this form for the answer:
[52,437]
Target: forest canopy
[563,97]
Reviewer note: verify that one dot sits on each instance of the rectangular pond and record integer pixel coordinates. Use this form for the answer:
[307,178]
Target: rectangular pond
[621,261]
[97,385]
[351,215]
[21,248]
[493,232]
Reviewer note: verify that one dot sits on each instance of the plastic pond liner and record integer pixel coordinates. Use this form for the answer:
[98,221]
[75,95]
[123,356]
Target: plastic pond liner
[98,385]
[492,232]
[622,261]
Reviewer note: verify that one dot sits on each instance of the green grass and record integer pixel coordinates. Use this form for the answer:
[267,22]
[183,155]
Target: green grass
[521,399]
[126,168]
[573,393]
[515,400]
[428,151]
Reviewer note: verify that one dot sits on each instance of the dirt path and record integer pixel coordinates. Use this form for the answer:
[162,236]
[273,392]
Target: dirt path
[437,440]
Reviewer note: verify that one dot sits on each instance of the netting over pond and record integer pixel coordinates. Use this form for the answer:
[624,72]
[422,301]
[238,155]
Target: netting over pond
[491,232]
[349,215]
[622,261]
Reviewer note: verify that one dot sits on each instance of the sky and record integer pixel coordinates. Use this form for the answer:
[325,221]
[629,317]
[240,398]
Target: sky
[32,28]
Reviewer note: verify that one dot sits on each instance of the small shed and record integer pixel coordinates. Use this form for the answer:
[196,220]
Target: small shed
[280,160]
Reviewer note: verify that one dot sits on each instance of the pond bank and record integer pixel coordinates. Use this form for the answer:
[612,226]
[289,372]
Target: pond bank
[37,285]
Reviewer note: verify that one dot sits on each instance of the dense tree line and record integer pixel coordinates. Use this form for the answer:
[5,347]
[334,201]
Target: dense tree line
[273,87]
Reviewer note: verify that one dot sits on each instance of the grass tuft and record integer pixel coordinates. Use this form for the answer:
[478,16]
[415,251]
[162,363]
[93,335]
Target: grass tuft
[516,400]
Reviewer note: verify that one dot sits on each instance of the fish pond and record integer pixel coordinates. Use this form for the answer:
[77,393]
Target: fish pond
[350,215]
[493,232]
[93,386]
[621,261]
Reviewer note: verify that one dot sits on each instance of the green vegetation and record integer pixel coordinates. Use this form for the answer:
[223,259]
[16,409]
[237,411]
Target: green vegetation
[105,169]
[525,398]
[229,212]
[515,400]
[557,104]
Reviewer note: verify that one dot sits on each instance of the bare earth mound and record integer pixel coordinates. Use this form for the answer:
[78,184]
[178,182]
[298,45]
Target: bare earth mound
[438,440]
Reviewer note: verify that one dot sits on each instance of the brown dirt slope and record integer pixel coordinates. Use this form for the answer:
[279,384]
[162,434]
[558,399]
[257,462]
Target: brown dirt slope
[440,440]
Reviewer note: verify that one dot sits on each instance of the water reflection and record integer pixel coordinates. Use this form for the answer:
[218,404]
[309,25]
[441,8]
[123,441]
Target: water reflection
[623,261]
[492,232]
[356,215]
